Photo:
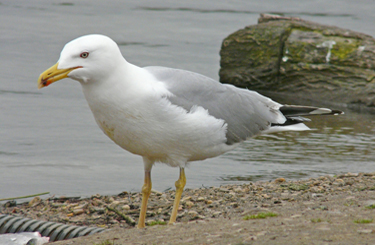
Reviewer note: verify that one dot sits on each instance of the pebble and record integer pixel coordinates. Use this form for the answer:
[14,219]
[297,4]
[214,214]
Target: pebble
[193,213]
[82,206]
[365,231]
[352,174]
[296,216]
[99,210]
[285,196]
[349,182]
[114,204]
[189,204]
[72,205]
[189,240]
[261,233]
[317,189]
[339,182]
[57,205]
[323,228]
[316,195]
[185,199]
[156,192]
[308,203]
[125,207]
[279,180]
[266,196]
[78,211]
[113,221]
[35,201]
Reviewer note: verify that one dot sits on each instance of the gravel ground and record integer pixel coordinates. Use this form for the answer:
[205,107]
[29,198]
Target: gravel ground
[325,210]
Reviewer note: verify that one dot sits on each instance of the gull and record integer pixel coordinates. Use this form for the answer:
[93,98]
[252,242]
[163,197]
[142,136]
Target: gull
[168,115]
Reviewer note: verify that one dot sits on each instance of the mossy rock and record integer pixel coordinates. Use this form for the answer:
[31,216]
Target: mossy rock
[306,59]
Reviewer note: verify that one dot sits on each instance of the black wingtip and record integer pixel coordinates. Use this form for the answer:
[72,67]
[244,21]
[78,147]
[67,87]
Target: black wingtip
[293,110]
[337,112]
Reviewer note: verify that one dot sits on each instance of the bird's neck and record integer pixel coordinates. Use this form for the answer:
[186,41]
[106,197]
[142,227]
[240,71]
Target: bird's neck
[125,85]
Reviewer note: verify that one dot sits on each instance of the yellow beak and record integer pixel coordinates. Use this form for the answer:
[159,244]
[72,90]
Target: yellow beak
[52,75]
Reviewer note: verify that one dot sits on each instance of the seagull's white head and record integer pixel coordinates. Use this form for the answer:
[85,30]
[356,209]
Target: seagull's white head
[85,59]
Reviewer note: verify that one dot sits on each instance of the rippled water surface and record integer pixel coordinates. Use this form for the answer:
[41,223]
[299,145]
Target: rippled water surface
[49,140]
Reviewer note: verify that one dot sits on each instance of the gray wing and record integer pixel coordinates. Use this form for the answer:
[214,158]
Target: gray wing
[246,112]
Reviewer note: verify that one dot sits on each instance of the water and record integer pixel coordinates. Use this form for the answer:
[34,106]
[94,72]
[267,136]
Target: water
[50,142]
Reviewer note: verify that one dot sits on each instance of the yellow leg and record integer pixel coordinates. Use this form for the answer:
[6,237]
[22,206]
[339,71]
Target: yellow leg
[146,191]
[180,184]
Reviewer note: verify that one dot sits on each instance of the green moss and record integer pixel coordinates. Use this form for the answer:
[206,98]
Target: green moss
[308,51]
[371,206]
[316,220]
[343,50]
[363,221]
[156,222]
[260,216]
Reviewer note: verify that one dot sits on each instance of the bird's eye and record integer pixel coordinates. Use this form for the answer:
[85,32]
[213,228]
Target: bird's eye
[84,55]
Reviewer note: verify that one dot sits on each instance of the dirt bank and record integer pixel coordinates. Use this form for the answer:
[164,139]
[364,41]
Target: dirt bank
[325,210]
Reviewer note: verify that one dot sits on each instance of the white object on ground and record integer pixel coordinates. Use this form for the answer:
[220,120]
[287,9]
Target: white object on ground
[23,238]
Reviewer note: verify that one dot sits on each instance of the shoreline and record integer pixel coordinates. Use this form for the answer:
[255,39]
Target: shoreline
[334,209]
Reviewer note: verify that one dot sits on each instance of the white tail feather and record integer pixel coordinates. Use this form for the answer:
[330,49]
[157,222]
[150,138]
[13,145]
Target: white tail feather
[294,127]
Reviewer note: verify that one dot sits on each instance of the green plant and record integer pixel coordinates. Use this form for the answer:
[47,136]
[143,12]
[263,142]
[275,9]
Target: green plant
[156,222]
[316,220]
[363,221]
[260,216]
